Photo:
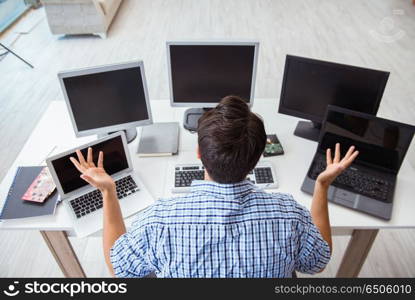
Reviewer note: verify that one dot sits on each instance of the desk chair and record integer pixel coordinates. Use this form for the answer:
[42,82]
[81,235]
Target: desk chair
[8,50]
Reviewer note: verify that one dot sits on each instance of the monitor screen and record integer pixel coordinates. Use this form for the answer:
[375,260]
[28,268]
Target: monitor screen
[106,98]
[207,73]
[380,143]
[115,161]
[310,85]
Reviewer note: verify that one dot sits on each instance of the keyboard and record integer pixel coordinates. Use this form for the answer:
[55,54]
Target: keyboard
[362,183]
[262,176]
[88,203]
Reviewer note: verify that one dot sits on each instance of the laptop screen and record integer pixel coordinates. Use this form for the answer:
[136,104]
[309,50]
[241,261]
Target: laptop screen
[115,161]
[381,143]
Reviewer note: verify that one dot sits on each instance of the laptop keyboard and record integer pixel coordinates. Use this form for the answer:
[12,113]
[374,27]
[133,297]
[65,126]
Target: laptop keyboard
[359,182]
[92,201]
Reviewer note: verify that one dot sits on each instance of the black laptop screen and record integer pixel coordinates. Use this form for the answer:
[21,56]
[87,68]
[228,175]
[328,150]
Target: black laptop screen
[381,143]
[115,161]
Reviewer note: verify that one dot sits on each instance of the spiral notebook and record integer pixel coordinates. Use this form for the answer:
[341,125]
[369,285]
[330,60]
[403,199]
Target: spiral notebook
[15,207]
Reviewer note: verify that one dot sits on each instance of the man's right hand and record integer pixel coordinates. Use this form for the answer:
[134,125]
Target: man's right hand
[335,166]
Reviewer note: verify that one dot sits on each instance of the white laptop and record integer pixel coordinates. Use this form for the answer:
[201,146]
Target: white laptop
[84,201]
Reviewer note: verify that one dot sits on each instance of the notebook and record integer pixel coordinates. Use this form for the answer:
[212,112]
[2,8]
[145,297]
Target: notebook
[15,207]
[159,139]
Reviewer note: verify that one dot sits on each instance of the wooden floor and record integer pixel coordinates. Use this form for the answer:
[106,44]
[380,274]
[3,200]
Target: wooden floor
[374,33]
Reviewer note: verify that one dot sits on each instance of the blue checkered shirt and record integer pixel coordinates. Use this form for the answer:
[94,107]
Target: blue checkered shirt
[221,230]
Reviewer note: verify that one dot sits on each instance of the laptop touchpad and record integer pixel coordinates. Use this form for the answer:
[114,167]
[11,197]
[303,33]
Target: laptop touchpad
[344,197]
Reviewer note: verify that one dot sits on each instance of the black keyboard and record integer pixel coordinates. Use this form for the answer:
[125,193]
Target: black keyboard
[359,182]
[92,201]
[263,175]
[184,175]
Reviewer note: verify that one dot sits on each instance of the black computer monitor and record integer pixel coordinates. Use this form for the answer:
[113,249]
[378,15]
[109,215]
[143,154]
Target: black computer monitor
[310,85]
[107,99]
[202,73]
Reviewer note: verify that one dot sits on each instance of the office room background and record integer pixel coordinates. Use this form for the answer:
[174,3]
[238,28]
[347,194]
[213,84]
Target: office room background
[378,34]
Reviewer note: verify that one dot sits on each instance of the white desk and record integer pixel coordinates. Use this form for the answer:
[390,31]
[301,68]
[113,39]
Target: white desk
[54,131]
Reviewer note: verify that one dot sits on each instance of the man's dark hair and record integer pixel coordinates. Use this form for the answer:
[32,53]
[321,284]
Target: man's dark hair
[231,140]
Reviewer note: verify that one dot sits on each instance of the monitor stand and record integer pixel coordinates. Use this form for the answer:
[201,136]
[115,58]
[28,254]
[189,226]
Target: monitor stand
[308,130]
[192,116]
[130,134]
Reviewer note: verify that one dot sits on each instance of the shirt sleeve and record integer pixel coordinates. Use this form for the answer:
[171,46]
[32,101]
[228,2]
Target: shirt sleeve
[313,251]
[130,253]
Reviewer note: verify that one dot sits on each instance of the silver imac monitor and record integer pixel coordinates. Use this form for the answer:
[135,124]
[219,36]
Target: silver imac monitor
[201,73]
[107,99]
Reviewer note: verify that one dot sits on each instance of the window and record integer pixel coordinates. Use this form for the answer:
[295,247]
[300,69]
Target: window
[10,10]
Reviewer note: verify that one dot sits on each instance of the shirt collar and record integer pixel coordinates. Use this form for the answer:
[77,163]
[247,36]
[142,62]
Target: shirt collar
[223,190]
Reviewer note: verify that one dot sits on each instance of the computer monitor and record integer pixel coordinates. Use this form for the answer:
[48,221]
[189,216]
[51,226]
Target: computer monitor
[310,85]
[202,73]
[107,99]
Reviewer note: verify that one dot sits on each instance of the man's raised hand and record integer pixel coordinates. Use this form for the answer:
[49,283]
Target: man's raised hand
[335,166]
[95,175]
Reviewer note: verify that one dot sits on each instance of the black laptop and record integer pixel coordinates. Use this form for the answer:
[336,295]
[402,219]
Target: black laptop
[368,184]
